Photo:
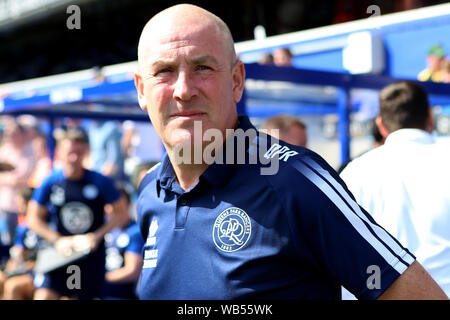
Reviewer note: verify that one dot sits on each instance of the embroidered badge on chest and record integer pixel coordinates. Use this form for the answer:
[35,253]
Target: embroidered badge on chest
[232,229]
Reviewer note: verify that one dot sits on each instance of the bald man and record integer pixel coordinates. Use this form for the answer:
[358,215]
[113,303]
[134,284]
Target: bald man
[224,230]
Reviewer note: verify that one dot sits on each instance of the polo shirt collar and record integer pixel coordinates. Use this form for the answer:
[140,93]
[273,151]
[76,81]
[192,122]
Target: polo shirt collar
[409,135]
[216,174]
[166,175]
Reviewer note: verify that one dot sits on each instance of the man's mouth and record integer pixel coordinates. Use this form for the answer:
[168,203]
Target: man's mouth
[189,115]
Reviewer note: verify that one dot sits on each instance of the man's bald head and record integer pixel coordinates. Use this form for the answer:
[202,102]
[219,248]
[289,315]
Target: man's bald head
[180,17]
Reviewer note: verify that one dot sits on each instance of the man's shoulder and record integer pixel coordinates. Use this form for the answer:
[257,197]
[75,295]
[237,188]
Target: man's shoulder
[443,143]
[133,229]
[53,177]
[366,163]
[424,75]
[293,165]
[149,177]
[92,176]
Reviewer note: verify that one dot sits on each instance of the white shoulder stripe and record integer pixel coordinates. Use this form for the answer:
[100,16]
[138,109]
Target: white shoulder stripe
[357,220]
[154,167]
[380,232]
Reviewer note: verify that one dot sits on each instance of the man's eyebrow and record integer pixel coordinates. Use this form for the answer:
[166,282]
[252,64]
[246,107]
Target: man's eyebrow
[203,59]
[161,63]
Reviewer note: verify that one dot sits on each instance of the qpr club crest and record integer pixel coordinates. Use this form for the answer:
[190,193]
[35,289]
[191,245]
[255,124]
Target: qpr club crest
[232,229]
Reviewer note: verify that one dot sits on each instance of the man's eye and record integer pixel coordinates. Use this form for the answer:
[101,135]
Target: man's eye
[162,71]
[203,67]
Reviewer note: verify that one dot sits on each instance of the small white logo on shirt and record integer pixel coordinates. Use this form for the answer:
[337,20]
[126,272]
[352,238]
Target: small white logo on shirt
[123,240]
[232,229]
[31,239]
[284,152]
[90,191]
[151,254]
[57,197]
[114,259]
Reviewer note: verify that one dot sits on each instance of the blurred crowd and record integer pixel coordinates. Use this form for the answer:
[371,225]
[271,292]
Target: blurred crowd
[437,70]
[124,151]
[281,57]
[116,150]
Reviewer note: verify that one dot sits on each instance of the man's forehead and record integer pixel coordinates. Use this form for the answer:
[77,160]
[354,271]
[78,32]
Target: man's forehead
[196,47]
[185,33]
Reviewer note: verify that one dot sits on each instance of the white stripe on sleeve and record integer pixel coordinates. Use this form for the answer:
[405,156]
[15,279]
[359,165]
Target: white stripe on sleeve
[357,221]
[380,232]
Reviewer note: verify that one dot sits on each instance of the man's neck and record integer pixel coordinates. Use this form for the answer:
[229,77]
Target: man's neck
[188,175]
[73,173]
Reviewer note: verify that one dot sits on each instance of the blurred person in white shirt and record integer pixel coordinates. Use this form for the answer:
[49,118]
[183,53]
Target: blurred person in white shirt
[405,184]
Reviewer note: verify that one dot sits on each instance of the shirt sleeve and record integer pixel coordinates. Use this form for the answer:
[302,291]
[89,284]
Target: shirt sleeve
[136,242]
[42,194]
[344,241]
[108,189]
[20,233]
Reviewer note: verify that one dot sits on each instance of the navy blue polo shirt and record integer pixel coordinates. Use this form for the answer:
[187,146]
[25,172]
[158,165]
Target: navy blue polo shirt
[119,242]
[77,207]
[237,234]
[26,238]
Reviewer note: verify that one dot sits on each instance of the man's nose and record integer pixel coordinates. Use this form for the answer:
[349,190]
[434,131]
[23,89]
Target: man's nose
[185,88]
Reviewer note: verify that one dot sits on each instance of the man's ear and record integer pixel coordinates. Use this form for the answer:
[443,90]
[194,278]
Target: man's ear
[430,120]
[238,81]
[383,131]
[139,84]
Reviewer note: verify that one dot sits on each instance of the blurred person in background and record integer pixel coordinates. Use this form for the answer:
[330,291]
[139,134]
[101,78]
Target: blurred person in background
[140,144]
[43,165]
[106,151]
[31,126]
[266,58]
[435,61]
[124,247]
[18,275]
[67,210]
[405,183]
[139,173]
[290,129]
[446,72]
[378,141]
[16,152]
[282,57]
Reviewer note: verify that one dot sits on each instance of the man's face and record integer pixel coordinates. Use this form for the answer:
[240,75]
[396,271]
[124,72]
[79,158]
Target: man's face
[188,75]
[296,136]
[72,153]
[434,62]
[282,59]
